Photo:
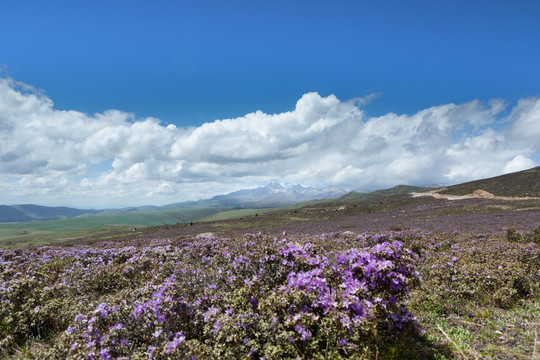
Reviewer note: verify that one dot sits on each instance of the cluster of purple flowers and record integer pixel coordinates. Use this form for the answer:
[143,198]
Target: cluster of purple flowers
[180,297]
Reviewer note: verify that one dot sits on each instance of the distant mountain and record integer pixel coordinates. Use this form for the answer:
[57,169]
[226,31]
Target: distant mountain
[271,195]
[517,184]
[29,212]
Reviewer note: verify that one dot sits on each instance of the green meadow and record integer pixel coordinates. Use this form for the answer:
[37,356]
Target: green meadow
[53,231]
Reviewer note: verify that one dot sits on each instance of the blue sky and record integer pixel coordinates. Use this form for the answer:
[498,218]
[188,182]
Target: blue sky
[191,63]
[187,62]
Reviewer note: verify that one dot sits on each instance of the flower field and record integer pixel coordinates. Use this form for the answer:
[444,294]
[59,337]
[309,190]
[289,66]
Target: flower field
[395,294]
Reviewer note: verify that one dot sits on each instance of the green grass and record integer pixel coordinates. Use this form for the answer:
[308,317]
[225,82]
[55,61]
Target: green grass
[9,239]
[234,214]
[486,332]
[46,232]
[240,213]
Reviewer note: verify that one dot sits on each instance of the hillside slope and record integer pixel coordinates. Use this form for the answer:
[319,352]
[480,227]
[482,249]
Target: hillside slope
[519,184]
[396,190]
[29,212]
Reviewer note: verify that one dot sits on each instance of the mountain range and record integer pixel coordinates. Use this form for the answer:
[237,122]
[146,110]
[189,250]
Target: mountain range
[271,195]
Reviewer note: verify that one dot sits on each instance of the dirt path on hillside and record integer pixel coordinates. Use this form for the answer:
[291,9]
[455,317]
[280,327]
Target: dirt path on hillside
[478,194]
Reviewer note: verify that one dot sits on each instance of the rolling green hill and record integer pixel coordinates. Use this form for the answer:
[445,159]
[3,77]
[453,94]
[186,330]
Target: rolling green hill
[30,212]
[43,232]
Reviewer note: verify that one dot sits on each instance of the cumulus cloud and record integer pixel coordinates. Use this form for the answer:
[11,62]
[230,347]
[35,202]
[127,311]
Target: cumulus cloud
[53,156]
[518,163]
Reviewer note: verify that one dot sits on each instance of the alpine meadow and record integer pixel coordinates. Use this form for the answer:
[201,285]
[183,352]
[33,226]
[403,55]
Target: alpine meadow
[269,180]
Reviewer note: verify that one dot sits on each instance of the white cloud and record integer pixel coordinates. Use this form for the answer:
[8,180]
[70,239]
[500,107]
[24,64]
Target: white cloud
[518,163]
[524,130]
[50,156]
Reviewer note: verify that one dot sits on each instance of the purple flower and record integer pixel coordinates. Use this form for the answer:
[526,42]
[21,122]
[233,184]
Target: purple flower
[152,350]
[117,326]
[210,313]
[303,332]
[104,353]
[103,309]
[346,322]
[178,339]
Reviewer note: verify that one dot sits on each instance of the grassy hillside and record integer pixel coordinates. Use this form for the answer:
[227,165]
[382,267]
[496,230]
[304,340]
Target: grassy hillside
[240,213]
[518,184]
[30,212]
[349,199]
[396,190]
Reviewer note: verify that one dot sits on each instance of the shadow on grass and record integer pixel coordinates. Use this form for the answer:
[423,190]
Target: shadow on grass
[415,346]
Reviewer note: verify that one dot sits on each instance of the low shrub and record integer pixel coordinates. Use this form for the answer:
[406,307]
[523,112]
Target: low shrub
[481,270]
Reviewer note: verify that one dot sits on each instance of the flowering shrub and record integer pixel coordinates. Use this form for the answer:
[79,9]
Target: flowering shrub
[326,296]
